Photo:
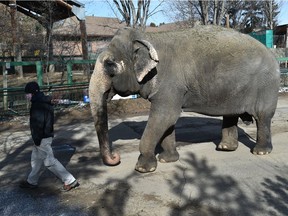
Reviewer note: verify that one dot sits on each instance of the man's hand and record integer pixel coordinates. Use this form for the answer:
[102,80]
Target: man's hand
[56,97]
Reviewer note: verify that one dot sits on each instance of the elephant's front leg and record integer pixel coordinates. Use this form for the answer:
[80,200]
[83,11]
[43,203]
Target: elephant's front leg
[158,123]
[168,144]
[229,140]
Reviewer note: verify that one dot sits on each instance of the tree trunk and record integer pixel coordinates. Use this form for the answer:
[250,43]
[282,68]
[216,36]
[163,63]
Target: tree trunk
[84,46]
[15,38]
[204,11]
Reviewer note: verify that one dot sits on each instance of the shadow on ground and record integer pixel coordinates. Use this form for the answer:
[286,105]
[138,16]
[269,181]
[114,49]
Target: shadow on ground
[190,130]
[118,197]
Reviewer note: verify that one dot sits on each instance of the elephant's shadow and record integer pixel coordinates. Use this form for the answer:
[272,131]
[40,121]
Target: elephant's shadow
[188,130]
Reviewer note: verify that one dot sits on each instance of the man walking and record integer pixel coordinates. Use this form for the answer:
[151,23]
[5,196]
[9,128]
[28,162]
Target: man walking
[41,126]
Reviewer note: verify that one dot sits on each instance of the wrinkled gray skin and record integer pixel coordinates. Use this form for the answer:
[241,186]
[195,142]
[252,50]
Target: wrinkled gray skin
[208,70]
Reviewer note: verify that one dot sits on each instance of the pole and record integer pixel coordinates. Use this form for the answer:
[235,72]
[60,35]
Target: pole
[15,38]
[39,73]
[227,21]
[5,86]
[69,73]
[84,46]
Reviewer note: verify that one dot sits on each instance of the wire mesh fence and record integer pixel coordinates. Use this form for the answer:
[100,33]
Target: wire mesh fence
[14,103]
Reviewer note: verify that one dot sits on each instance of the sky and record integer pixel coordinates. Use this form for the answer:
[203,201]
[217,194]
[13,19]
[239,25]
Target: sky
[283,16]
[102,9]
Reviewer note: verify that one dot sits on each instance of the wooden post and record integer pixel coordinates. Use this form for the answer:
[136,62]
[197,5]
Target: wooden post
[5,86]
[285,40]
[227,21]
[49,44]
[84,46]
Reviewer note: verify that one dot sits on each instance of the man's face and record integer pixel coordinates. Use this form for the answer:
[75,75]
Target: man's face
[29,96]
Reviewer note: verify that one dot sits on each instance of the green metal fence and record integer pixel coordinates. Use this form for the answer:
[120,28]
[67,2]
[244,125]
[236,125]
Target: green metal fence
[283,62]
[39,67]
[265,37]
[14,103]
[70,93]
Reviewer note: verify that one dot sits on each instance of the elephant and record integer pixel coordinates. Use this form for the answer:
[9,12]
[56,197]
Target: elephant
[209,70]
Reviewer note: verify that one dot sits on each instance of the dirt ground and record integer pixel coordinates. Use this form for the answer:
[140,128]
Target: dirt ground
[116,109]
[110,197]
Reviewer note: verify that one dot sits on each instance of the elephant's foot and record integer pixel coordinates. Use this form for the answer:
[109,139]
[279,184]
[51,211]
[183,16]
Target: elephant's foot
[262,150]
[166,157]
[229,140]
[146,164]
[111,159]
[225,146]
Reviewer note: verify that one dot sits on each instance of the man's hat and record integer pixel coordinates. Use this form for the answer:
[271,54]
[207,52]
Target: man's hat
[32,87]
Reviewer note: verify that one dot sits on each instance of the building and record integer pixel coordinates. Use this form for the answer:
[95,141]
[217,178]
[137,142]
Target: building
[100,31]
[280,36]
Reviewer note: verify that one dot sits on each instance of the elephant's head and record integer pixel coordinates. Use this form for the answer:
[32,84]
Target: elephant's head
[120,69]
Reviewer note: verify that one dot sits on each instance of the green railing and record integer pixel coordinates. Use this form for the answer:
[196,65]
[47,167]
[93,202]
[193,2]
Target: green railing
[283,62]
[39,67]
[13,101]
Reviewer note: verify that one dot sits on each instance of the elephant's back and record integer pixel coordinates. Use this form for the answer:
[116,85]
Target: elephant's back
[217,65]
[207,47]
[207,40]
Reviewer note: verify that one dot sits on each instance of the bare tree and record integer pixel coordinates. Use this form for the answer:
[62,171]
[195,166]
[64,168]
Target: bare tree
[15,35]
[46,20]
[271,11]
[5,32]
[133,16]
[36,38]
[28,39]
[219,11]
[206,11]
[203,11]
[253,15]
[240,14]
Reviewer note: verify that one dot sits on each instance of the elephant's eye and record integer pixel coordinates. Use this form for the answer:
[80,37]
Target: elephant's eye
[110,67]
[109,62]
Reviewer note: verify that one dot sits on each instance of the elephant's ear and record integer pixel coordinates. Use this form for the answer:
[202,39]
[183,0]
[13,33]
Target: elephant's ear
[145,58]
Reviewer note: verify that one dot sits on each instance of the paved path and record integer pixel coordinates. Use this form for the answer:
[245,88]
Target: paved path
[202,182]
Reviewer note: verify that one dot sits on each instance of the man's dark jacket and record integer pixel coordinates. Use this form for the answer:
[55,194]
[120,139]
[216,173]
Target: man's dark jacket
[41,117]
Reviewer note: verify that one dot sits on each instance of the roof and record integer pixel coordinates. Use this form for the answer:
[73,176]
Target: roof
[95,26]
[102,27]
[40,10]
[281,30]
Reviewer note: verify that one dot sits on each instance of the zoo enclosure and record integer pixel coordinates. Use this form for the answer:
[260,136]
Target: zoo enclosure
[283,62]
[13,102]
[70,93]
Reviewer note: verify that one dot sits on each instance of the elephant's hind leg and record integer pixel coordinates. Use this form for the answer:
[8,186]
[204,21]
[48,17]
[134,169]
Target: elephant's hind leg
[263,145]
[229,140]
[168,144]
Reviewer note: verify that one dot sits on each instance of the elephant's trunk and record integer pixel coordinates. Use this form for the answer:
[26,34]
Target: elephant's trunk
[99,87]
